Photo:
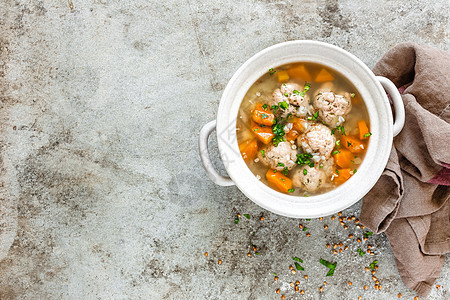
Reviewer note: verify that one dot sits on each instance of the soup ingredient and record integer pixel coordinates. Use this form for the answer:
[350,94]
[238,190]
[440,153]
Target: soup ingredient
[352,143]
[300,72]
[343,158]
[363,130]
[318,141]
[301,125]
[332,107]
[342,175]
[279,157]
[271,71]
[310,178]
[264,134]
[248,149]
[292,135]
[290,93]
[263,116]
[324,75]
[278,181]
[283,76]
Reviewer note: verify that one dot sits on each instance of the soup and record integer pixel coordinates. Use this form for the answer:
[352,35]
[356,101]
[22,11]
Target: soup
[303,129]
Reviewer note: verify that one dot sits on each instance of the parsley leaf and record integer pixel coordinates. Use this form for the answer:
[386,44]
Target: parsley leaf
[247,216]
[297,259]
[283,105]
[271,71]
[367,134]
[335,152]
[329,265]
[298,267]
[265,107]
[305,171]
[263,153]
[373,264]
[360,252]
[291,190]
[296,92]
[305,89]
[367,234]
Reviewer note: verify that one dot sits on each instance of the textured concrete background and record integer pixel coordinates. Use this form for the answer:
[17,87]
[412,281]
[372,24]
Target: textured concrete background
[102,192]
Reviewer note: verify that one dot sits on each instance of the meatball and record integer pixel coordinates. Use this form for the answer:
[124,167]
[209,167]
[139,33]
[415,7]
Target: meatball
[328,167]
[280,157]
[317,141]
[286,93]
[311,179]
[332,107]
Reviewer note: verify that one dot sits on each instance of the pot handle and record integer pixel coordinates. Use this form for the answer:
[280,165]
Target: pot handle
[218,179]
[399,108]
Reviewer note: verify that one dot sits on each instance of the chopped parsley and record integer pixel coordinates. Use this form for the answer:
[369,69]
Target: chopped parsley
[275,274]
[352,95]
[338,142]
[341,129]
[355,170]
[304,228]
[283,105]
[337,171]
[274,108]
[305,171]
[265,107]
[256,129]
[360,252]
[286,94]
[367,234]
[305,159]
[263,153]
[335,152]
[332,131]
[367,134]
[305,89]
[247,216]
[296,92]
[278,131]
[373,264]
[348,144]
[280,164]
[286,171]
[298,267]
[315,115]
[291,190]
[264,116]
[271,71]
[329,265]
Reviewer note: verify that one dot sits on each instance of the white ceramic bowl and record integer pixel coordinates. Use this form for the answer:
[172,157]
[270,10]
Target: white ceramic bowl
[369,86]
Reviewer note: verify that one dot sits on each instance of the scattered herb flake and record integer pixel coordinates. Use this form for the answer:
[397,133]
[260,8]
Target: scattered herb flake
[286,94]
[280,164]
[332,131]
[247,216]
[256,253]
[286,171]
[308,219]
[373,264]
[348,144]
[305,89]
[298,267]
[338,142]
[355,170]
[304,228]
[315,115]
[337,171]
[236,221]
[360,252]
[274,107]
[367,234]
[341,129]
[352,95]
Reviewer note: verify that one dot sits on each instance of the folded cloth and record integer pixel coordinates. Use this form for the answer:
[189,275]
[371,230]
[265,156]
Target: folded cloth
[410,202]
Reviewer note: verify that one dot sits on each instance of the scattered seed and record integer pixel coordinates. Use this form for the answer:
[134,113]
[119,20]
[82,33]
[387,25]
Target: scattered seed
[340,213]
[238,215]
[379,287]
[283,297]
[342,223]
[349,218]
[324,283]
[365,287]
[356,221]
[296,288]
[350,235]
[308,234]
[438,286]
[376,286]
[362,226]
[306,276]
[345,227]
[371,253]
[297,282]
[300,226]
[399,295]
[374,278]
[369,246]
[206,254]
[358,240]
[416,298]
[249,254]
[320,218]
[219,262]
[293,272]
[302,292]
[277,291]
[357,226]
[340,250]
[291,284]
[335,246]
[276,278]
[376,267]
[368,250]
[373,272]
[262,218]
[321,289]
[333,217]
[335,252]
[367,269]
[341,219]
[341,244]
[325,226]
[359,298]
[353,218]
[346,247]
[349,283]
[328,246]
[377,282]
[291,268]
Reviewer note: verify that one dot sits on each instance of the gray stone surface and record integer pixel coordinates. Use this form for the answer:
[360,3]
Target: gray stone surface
[102,192]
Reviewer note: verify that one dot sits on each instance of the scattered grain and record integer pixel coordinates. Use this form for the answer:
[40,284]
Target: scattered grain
[325,226]
[306,276]
[349,283]
[399,295]
[340,213]
[365,287]
[277,291]
[308,234]
[219,262]
[206,254]
[262,218]
[350,235]
[438,286]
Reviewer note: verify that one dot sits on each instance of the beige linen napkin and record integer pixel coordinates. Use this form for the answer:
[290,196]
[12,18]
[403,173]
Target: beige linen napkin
[410,202]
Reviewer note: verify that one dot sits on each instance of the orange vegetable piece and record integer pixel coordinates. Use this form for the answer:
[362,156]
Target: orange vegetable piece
[324,75]
[278,181]
[343,176]
[283,76]
[343,158]
[352,143]
[248,149]
[299,124]
[299,71]
[264,134]
[292,135]
[261,116]
[363,129]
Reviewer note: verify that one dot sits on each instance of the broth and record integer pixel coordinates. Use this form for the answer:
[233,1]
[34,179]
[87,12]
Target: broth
[286,138]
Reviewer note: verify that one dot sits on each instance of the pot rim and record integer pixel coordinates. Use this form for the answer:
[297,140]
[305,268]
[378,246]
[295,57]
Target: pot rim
[377,104]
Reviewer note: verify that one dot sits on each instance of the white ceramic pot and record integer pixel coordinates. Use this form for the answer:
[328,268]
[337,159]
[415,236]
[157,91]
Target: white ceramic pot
[372,89]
